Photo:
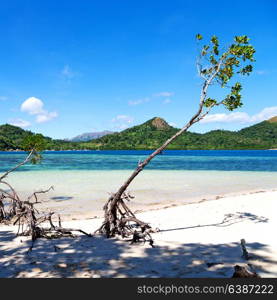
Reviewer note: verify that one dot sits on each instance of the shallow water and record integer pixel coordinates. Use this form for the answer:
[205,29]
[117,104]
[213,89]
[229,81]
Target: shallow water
[83,180]
[79,191]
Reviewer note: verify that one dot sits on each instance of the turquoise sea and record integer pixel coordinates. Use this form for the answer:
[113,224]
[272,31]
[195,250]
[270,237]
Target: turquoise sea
[82,180]
[223,160]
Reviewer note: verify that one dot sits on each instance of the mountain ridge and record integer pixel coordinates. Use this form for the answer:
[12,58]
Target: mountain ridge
[87,136]
[153,133]
[148,135]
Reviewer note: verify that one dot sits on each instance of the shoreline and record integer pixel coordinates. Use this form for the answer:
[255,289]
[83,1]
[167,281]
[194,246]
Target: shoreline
[80,150]
[195,240]
[82,194]
[164,206]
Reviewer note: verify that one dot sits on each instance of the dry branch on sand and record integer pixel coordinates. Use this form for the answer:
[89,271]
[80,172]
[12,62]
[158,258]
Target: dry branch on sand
[243,272]
[23,213]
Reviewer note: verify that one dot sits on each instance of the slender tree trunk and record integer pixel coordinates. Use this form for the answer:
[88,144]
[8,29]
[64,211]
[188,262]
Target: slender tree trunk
[143,164]
[117,214]
[113,224]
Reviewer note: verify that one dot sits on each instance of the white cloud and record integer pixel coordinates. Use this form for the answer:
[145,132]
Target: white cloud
[241,117]
[20,123]
[35,106]
[166,101]
[139,101]
[46,117]
[122,122]
[233,117]
[265,114]
[32,106]
[163,94]
[67,72]
[172,124]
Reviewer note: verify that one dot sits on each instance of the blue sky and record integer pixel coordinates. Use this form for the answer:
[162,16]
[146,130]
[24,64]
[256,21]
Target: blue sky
[93,65]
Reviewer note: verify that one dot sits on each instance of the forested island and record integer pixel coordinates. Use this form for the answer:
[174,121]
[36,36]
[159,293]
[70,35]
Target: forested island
[151,134]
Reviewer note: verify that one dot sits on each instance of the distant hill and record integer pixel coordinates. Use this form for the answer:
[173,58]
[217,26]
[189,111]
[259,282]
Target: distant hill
[153,133]
[145,136]
[90,136]
[11,138]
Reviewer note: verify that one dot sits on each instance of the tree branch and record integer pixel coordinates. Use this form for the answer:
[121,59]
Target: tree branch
[19,165]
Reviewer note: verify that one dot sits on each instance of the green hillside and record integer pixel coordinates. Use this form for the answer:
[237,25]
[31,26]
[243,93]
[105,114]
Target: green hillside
[263,134]
[153,133]
[11,138]
[145,136]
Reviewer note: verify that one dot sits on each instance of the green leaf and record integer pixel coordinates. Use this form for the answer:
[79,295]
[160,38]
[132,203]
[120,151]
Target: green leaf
[199,37]
[235,60]
[215,50]
[209,102]
[214,40]
[243,39]
[34,142]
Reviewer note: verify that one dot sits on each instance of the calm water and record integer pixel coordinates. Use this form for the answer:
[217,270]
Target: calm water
[221,160]
[82,180]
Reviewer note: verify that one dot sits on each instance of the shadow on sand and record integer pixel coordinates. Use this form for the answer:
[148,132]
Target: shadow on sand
[100,257]
[228,220]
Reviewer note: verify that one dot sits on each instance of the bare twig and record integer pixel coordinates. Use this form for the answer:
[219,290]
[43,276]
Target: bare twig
[27,159]
[24,214]
[40,192]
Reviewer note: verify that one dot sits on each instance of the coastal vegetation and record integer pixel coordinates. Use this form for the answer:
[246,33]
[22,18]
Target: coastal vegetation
[151,134]
[12,138]
[148,136]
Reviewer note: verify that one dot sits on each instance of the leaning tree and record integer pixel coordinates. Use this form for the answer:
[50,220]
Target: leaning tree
[216,67]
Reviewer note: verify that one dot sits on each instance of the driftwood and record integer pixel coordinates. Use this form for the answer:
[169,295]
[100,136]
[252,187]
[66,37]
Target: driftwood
[23,213]
[242,272]
[32,222]
[245,253]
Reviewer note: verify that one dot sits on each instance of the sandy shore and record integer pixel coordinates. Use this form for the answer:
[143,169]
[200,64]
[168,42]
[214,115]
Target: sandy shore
[195,240]
[79,193]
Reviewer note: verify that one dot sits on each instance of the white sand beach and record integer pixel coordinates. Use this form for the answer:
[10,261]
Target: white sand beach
[195,240]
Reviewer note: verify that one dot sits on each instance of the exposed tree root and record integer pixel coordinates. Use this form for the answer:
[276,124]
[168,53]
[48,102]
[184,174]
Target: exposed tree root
[30,224]
[29,220]
[120,220]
